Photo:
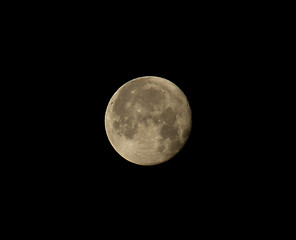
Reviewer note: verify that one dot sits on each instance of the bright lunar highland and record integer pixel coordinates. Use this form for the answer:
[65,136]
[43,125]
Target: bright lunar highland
[148,120]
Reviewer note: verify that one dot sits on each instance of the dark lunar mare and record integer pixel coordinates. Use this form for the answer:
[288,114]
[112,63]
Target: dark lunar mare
[128,122]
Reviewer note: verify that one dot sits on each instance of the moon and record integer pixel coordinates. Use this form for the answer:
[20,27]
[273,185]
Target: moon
[148,120]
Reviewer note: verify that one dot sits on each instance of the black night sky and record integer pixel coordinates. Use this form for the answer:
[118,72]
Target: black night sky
[79,69]
[74,65]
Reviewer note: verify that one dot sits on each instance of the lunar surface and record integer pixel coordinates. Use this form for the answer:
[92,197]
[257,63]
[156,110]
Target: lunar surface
[148,120]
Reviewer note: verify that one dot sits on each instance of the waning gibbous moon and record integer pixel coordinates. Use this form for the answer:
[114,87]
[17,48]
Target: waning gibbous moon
[148,120]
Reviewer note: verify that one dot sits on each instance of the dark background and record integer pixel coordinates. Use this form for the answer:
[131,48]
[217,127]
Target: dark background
[72,62]
[78,71]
